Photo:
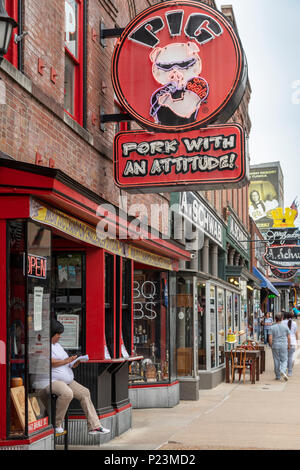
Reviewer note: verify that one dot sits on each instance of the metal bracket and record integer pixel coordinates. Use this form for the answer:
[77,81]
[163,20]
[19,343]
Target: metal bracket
[118,117]
[106,33]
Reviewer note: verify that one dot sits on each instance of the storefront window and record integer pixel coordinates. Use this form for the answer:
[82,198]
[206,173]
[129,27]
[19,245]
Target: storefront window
[150,304]
[229,325]
[246,325]
[29,273]
[212,304]
[201,307]
[257,316]
[109,305]
[126,308]
[221,325]
[68,298]
[184,327]
[236,312]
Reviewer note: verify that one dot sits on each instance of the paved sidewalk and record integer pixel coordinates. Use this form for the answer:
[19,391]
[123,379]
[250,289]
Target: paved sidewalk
[265,415]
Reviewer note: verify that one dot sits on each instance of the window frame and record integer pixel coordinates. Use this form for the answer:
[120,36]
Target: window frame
[78,66]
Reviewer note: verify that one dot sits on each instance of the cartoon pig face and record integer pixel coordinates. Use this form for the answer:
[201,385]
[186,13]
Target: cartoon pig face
[176,63]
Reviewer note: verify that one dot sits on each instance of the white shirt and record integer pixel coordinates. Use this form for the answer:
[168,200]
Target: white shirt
[293,331]
[62,373]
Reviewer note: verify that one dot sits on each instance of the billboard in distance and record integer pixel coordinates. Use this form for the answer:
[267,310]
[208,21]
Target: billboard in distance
[265,194]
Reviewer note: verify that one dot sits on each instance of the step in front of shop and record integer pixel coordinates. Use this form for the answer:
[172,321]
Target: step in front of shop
[118,423]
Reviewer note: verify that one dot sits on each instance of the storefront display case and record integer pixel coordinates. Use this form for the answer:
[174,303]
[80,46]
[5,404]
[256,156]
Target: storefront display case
[28,322]
[151,332]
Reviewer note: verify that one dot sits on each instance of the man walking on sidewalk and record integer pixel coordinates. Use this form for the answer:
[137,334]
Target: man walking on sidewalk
[280,340]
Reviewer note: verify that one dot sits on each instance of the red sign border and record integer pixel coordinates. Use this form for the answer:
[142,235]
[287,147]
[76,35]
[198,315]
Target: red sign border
[226,107]
[168,187]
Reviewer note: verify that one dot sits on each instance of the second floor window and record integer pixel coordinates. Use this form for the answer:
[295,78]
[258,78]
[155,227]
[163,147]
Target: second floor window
[12,9]
[74,59]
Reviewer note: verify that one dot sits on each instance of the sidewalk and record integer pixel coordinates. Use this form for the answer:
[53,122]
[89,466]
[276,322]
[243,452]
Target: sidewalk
[264,416]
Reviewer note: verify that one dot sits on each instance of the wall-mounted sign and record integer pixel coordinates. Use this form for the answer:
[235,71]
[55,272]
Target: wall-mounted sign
[238,233]
[210,158]
[193,209]
[179,65]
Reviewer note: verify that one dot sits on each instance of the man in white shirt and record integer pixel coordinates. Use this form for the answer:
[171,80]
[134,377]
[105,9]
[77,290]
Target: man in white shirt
[65,387]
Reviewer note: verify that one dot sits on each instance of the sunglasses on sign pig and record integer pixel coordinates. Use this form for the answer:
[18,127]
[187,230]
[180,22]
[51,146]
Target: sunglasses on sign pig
[171,65]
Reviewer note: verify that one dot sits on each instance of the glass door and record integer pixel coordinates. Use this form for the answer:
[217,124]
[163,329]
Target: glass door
[221,325]
[213,339]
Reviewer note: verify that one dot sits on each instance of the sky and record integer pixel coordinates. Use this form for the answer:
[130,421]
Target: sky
[269,31]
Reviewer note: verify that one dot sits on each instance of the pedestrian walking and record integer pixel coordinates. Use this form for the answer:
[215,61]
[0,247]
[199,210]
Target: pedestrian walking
[292,325]
[267,322]
[296,311]
[280,340]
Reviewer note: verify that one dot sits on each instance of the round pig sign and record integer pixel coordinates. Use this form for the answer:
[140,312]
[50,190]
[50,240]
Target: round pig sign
[178,66]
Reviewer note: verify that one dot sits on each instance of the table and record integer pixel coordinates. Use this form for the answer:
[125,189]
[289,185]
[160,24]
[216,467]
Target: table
[251,354]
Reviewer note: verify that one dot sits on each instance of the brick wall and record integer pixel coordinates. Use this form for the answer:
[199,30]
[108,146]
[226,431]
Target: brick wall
[33,121]
[33,125]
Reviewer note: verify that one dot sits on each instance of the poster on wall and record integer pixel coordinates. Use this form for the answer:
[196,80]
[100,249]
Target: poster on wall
[264,195]
[70,338]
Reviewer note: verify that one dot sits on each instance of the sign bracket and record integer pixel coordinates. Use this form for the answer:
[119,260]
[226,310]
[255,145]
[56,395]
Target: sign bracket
[117,117]
[107,33]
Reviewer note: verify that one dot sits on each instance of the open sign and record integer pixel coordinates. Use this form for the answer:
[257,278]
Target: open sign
[37,266]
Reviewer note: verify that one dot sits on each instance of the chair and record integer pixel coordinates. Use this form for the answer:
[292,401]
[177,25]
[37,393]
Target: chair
[238,362]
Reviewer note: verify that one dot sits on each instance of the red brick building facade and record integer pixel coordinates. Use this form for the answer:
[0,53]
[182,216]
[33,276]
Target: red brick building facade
[54,87]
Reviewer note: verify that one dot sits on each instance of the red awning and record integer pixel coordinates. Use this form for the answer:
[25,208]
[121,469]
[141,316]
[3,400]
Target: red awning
[58,190]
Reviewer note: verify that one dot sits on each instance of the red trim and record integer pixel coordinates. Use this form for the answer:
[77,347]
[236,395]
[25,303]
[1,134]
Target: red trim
[26,441]
[56,193]
[155,385]
[115,304]
[78,63]
[132,302]
[3,333]
[120,308]
[95,318]
[105,415]
[13,11]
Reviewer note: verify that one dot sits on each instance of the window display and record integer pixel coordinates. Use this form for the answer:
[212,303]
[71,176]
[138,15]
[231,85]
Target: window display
[243,309]
[221,326]
[229,324]
[212,305]
[68,298]
[150,309]
[29,268]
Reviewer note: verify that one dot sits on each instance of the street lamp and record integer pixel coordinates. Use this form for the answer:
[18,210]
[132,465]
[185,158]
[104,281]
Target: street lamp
[7,25]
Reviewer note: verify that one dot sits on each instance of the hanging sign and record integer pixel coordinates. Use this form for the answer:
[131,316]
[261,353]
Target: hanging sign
[283,244]
[283,274]
[213,157]
[179,65]
[287,256]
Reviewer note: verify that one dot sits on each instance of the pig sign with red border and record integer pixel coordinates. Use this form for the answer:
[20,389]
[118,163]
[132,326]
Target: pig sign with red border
[178,66]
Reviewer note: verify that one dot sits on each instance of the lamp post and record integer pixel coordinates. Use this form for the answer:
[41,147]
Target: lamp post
[7,25]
